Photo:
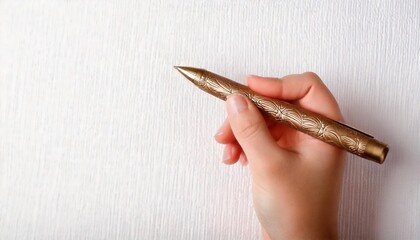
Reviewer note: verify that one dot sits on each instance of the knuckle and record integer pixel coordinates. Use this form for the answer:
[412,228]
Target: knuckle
[250,129]
[312,76]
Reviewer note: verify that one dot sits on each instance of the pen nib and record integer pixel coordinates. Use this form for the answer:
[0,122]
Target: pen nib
[192,74]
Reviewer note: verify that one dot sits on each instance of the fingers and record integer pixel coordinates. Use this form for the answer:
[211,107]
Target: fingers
[250,130]
[306,89]
[243,160]
[225,135]
[232,153]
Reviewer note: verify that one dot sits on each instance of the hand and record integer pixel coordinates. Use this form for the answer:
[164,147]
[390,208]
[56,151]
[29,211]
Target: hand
[296,178]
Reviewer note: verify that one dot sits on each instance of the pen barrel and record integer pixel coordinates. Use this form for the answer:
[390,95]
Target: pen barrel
[308,122]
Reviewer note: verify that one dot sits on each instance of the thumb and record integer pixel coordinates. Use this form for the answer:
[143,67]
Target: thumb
[251,132]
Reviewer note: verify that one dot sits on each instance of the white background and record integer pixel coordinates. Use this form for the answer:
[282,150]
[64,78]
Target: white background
[100,138]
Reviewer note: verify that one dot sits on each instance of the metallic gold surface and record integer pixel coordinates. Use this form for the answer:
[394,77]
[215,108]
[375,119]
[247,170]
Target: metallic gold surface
[313,124]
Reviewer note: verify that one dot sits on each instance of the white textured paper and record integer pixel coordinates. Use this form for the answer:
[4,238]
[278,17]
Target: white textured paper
[101,139]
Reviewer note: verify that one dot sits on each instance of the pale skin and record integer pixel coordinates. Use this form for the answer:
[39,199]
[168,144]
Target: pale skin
[296,178]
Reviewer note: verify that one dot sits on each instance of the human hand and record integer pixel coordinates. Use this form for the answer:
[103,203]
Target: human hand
[296,178]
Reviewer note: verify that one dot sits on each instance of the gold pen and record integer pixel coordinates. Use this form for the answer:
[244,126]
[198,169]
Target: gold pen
[308,122]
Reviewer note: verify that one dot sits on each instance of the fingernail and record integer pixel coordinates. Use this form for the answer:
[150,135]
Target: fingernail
[219,132]
[226,155]
[242,160]
[251,76]
[237,103]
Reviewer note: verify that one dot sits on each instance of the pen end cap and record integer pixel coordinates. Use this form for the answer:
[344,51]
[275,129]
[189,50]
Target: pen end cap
[377,151]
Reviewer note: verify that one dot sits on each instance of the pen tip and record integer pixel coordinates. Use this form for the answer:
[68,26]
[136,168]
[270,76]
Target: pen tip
[182,69]
[193,74]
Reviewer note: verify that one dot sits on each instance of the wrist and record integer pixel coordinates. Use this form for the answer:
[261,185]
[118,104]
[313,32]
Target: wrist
[305,226]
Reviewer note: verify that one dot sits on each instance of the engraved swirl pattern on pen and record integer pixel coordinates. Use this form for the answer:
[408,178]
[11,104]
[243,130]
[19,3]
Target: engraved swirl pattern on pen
[313,126]
[317,127]
[221,89]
